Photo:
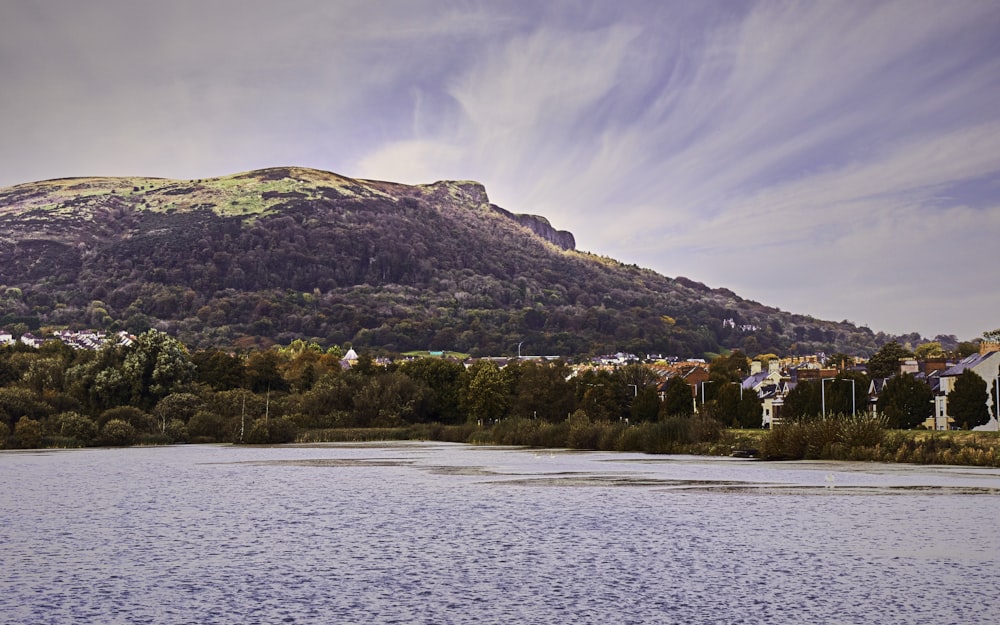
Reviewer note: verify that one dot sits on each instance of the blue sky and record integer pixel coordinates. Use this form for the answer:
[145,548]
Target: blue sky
[833,158]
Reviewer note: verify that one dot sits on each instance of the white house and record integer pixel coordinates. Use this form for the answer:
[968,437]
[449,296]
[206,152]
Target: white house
[985,365]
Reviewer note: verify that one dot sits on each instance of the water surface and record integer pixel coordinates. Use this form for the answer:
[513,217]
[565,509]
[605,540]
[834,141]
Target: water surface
[440,533]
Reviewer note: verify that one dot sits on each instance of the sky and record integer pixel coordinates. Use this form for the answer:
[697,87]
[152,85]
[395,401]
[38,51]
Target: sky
[834,158]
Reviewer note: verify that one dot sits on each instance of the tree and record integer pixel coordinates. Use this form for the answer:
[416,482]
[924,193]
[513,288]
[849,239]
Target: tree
[155,366]
[486,397]
[839,360]
[885,362]
[967,400]
[180,406]
[18,402]
[218,369]
[117,433]
[845,394]
[906,401]
[601,395]
[967,348]
[929,350]
[677,399]
[77,427]
[388,400]
[262,372]
[645,405]
[206,426]
[738,407]
[805,400]
[28,433]
[543,392]
[731,368]
[444,378]
[992,336]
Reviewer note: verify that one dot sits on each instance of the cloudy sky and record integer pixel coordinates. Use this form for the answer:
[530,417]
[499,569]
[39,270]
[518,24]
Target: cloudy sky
[829,157]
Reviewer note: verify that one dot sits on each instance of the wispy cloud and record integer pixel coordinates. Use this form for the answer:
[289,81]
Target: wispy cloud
[748,145]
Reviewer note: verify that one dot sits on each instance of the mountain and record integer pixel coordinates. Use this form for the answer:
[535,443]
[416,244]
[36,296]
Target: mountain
[288,252]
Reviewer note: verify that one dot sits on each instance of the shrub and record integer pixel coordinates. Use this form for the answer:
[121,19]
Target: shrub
[836,437]
[177,431]
[206,426]
[270,431]
[141,422]
[77,427]
[28,433]
[118,433]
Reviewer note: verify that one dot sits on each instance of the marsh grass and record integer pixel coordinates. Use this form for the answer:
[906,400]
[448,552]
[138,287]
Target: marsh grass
[862,438]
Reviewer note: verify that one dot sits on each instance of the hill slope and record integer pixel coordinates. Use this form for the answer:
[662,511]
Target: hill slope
[288,252]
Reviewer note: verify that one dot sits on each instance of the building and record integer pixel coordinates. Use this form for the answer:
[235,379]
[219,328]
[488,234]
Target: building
[986,364]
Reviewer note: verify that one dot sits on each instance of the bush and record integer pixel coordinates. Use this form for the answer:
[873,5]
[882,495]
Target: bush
[270,431]
[78,428]
[141,422]
[118,433]
[836,437]
[176,431]
[28,433]
[206,426]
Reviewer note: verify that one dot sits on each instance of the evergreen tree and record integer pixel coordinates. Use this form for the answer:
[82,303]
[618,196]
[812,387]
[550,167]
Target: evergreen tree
[885,362]
[906,401]
[967,400]
[677,399]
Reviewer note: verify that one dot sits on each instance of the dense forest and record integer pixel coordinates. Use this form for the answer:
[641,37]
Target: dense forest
[281,254]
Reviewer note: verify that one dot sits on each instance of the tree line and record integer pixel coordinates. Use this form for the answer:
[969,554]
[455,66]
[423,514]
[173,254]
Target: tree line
[156,391]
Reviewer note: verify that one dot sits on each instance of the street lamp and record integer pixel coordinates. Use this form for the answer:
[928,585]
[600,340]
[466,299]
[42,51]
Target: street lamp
[703,390]
[741,389]
[635,388]
[822,393]
[996,402]
[853,407]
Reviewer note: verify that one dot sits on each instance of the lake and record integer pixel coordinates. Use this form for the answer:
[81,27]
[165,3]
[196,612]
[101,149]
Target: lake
[446,533]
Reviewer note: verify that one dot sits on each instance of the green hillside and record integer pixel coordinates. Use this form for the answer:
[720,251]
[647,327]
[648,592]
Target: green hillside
[285,253]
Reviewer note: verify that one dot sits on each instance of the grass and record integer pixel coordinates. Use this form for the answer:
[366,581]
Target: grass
[436,354]
[819,440]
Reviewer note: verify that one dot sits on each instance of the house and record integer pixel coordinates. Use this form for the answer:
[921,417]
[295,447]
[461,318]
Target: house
[986,364]
[31,340]
[6,338]
[768,386]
